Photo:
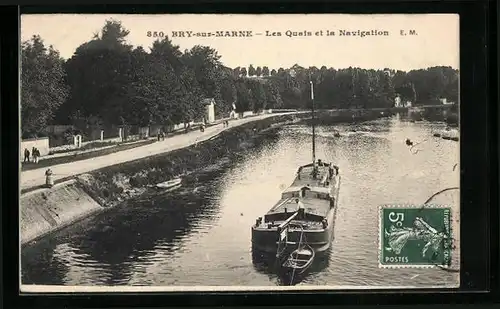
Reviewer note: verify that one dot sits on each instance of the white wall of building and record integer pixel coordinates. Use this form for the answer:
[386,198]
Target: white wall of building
[210,112]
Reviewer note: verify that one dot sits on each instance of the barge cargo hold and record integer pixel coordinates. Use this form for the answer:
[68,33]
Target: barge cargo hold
[307,207]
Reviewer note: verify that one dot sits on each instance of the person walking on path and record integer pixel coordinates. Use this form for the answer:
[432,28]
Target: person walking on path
[37,155]
[33,153]
[26,155]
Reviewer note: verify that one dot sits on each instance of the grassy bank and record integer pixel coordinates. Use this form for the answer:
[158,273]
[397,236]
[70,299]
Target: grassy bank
[89,146]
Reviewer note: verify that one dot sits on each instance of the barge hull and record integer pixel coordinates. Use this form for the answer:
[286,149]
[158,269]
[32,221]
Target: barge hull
[267,240]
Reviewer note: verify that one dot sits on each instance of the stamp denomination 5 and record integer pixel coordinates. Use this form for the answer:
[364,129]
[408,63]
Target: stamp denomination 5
[414,236]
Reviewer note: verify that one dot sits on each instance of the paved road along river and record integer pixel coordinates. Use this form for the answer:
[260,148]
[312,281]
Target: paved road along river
[200,234]
[36,177]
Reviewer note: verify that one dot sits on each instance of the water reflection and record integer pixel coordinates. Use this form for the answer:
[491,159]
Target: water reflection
[113,242]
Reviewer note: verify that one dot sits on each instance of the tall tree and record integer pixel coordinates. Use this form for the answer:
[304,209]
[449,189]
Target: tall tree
[265,71]
[237,72]
[251,70]
[228,96]
[205,62]
[43,87]
[258,95]
[170,52]
[243,94]
[258,71]
[99,74]
[273,96]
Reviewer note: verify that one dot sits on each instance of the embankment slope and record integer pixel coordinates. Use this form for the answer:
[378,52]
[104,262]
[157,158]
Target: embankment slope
[45,210]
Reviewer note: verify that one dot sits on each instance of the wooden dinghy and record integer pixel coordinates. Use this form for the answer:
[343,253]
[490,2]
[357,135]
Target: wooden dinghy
[299,260]
[169,185]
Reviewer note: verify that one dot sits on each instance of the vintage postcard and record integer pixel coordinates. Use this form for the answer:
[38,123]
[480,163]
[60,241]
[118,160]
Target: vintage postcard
[184,152]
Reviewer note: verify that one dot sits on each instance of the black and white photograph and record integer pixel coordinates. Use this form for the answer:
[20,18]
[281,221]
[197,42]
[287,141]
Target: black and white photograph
[239,152]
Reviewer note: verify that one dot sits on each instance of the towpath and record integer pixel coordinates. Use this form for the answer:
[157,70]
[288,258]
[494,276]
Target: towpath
[36,177]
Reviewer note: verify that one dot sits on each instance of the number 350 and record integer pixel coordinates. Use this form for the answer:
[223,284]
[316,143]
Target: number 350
[397,217]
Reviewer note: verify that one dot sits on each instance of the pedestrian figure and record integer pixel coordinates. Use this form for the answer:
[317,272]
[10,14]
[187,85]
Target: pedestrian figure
[300,209]
[26,155]
[330,171]
[49,181]
[162,135]
[158,136]
[33,152]
[36,155]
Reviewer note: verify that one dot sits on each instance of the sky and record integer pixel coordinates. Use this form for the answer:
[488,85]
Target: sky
[435,43]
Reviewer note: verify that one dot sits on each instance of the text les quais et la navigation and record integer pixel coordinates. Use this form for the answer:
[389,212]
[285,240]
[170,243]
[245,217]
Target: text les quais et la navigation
[269,33]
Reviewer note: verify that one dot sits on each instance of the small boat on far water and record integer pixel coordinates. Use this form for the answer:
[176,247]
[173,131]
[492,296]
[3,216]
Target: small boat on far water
[170,184]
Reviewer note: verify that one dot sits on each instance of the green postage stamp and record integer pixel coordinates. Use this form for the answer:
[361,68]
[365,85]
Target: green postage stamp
[415,236]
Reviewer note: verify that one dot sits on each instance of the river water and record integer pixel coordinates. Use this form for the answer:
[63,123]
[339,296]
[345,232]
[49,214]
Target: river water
[200,235]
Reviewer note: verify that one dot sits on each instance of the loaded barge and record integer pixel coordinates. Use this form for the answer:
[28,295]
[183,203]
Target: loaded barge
[304,214]
[301,223]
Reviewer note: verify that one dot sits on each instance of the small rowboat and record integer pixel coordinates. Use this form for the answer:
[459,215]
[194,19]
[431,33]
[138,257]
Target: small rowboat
[299,260]
[170,184]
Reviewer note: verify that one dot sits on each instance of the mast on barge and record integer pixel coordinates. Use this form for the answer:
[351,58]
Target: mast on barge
[313,121]
[304,215]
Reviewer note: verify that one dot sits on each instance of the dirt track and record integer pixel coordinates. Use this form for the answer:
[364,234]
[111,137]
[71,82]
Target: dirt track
[36,177]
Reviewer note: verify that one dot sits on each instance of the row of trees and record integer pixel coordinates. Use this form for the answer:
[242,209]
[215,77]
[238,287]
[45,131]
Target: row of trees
[109,82]
[252,71]
[362,88]
[431,84]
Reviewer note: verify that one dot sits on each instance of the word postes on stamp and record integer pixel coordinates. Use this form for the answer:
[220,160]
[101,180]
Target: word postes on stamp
[415,236]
